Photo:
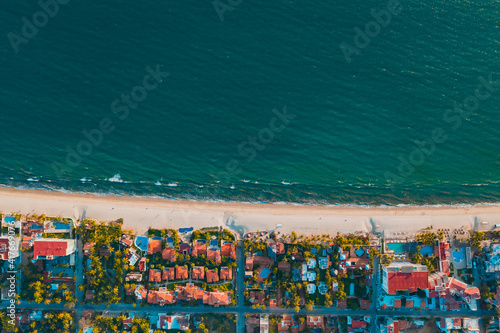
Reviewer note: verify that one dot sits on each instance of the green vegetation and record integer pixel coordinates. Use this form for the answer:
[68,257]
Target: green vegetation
[115,324]
[427,238]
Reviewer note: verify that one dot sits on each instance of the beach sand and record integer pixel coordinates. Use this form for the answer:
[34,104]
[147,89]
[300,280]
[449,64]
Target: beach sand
[141,213]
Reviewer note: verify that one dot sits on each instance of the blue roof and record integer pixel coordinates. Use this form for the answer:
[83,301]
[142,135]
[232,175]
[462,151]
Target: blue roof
[183,230]
[157,237]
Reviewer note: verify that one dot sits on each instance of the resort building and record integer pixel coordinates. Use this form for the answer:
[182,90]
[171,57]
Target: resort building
[404,276]
[6,252]
[50,248]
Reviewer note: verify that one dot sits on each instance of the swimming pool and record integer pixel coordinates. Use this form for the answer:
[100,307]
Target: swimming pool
[9,219]
[398,248]
[427,250]
[265,272]
[141,242]
[458,256]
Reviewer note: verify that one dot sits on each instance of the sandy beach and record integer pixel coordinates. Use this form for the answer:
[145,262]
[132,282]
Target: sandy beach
[141,213]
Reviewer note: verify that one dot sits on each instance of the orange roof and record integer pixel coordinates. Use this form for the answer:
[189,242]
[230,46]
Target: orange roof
[154,275]
[217,298]
[397,303]
[189,292]
[280,248]
[409,304]
[226,273]
[212,276]
[341,304]
[154,246]
[161,296]
[199,248]
[272,303]
[423,304]
[168,274]
[315,321]
[256,297]
[214,255]
[182,273]
[228,250]
[198,273]
[169,254]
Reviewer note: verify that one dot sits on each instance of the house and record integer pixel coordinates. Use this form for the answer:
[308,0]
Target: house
[105,251]
[142,264]
[132,256]
[50,248]
[127,324]
[364,304]
[185,249]
[89,294]
[217,298]
[26,242]
[404,276]
[226,273]
[228,249]
[172,322]
[133,276]
[254,260]
[256,297]
[189,292]
[324,263]
[288,323]
[214,255]
[198,273]
[212,276]
[86,249]
[311,263]
[5,248]
[199,248]
[252,322]
[169,254]
[355,258]
[161,296]
[284,266]
[154,275]
[314,321]
[154,246]
[125,241]
[181,273]
[168,274]
[311,288]
[492,262]
[140,292]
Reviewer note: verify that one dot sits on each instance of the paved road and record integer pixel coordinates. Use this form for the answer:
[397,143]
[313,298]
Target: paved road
[375,283]
[240,286]
[246,309]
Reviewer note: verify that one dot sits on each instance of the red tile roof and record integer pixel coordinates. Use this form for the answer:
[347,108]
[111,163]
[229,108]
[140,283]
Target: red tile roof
[154,246]
[358,324]
[169,254]
[407,281]
[199,248]
[198,273]
[214,255]
[154,275]
[409,304]
[212,276]
[397,303]
[4,249]
[56,248]
[182,273]
[228,250]
[168,274]
[364,304]
[226,273]
[315,321]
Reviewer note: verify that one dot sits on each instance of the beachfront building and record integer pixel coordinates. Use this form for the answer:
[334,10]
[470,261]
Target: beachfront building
[404,276]
[492,262]
[51,248]
[9,251]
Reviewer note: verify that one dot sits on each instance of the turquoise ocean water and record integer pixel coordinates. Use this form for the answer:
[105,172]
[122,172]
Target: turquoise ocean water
[353,123]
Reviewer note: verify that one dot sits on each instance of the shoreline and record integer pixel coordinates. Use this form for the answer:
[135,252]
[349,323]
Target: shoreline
[140,213]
